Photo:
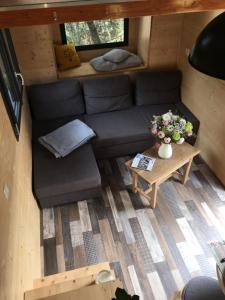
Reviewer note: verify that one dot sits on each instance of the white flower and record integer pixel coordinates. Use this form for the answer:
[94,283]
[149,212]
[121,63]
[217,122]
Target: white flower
[161,134]
[170,128]
[166,117]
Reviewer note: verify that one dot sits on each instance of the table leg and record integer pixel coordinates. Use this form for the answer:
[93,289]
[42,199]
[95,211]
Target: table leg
[154,195]
[134,182]
[186,171]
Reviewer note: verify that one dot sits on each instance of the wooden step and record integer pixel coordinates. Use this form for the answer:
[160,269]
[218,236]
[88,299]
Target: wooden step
[70,275]
[62,287]
[105,291]
[65,282]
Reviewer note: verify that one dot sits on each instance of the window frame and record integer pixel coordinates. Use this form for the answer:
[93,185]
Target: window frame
[99,46]
[12,95]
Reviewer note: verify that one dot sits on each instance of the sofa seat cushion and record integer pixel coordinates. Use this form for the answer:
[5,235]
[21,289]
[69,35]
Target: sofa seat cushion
[118,127]
[123,127]
[76,172]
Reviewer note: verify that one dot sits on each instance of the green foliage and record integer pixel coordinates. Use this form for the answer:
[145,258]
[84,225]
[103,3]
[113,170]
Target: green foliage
[108,31]
[176,136]
[188,127]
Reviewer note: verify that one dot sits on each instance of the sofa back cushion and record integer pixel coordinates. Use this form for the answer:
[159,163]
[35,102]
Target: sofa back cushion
[107,94]
[158,87]
[56,100]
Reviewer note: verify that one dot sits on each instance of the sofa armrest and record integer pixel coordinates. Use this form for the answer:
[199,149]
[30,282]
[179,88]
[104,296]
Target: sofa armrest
[185,112]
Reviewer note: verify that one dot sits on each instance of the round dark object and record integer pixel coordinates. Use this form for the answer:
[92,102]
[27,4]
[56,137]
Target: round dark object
[208,53]
[202,288]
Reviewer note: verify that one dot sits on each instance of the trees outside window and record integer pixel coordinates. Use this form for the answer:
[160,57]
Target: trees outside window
[96,34]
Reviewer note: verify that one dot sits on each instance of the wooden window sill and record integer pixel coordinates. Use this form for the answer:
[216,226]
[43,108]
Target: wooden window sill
[85,69]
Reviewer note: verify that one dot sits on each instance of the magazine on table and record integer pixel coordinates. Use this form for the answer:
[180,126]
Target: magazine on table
[143,162]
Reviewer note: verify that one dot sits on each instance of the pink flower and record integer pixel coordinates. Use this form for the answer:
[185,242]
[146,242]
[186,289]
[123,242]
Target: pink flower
[174,117]
[154,126]
[181,140]
[161,134]
[154,131]
[190,133]
[165,123]
[167,140]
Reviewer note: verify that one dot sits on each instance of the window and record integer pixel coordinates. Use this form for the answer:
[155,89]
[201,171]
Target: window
[96,34]
[10,80]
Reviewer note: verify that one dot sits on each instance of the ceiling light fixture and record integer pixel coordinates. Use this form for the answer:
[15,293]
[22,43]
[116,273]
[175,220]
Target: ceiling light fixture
[208,53]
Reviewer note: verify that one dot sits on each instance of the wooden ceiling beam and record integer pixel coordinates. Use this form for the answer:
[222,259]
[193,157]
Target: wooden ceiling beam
[97,11]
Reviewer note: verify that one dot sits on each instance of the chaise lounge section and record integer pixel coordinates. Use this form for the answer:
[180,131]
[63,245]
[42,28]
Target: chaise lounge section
[118,111]
[76,176]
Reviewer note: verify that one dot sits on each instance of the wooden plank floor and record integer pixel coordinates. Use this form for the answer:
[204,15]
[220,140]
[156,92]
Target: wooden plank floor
[153,252]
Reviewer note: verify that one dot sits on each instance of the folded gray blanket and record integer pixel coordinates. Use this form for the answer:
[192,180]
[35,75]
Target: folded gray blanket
[102,65]
[67,138]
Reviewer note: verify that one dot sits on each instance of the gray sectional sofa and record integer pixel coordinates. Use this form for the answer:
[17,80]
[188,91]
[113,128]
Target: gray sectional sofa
[118,110]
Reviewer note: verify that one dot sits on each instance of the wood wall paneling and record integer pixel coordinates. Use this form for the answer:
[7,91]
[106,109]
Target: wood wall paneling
[19,215]
[205,97]
[144,32]
[164,41]
[34,49]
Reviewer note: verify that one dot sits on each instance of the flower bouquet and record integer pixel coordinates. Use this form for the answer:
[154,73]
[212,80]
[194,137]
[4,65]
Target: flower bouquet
[170,128]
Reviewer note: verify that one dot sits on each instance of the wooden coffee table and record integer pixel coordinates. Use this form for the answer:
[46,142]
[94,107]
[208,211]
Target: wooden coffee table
[163,169]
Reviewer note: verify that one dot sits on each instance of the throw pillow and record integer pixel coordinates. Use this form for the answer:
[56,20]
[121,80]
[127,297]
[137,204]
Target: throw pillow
[116,55]
[102,65]
[107,94]
[66,57]
[67,138]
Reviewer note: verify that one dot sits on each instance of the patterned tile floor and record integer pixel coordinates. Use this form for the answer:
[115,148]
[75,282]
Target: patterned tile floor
[154,252]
